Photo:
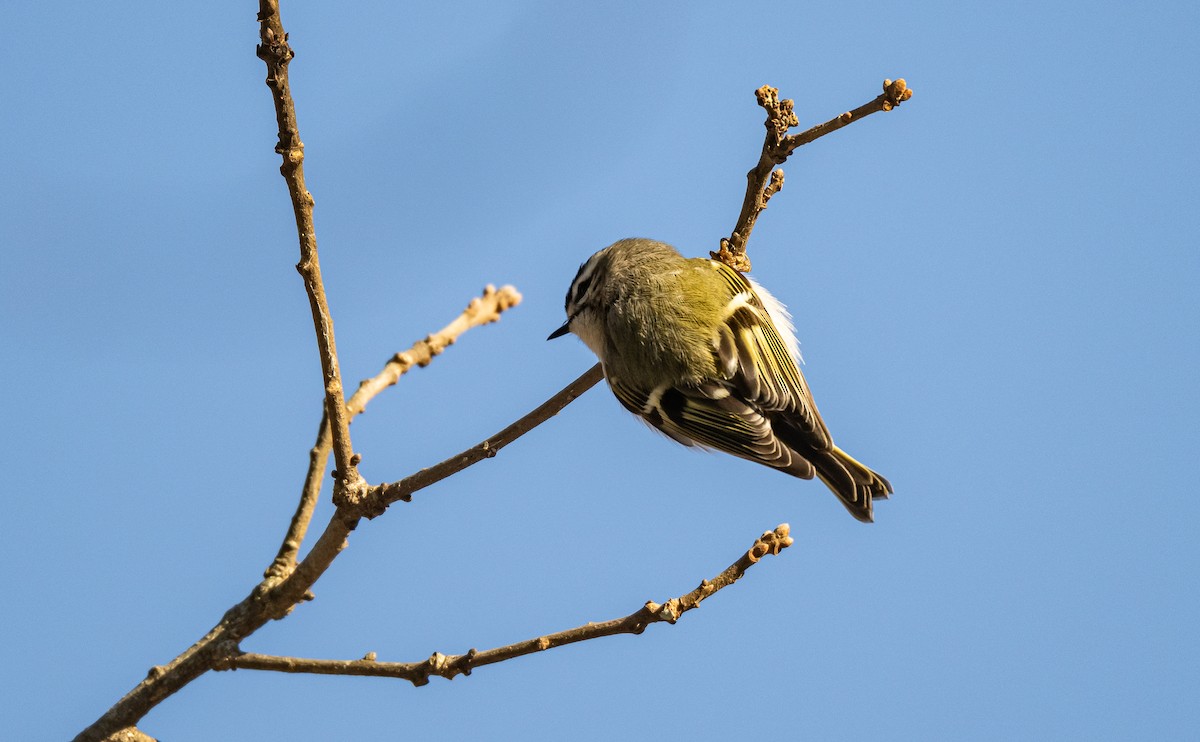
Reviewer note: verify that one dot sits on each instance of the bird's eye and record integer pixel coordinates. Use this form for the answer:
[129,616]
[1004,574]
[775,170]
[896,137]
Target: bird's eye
[582,289]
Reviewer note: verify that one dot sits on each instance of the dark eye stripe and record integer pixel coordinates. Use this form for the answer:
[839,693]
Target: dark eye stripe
[581,285]
[582,289]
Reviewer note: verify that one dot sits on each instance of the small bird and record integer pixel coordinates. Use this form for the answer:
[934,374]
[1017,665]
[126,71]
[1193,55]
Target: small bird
[709,358]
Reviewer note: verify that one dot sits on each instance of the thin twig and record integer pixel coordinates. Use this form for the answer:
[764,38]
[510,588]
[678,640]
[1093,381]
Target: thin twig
[310,493]
[276,53]
[380,496]
[763,181]
[448,666]
[482,310]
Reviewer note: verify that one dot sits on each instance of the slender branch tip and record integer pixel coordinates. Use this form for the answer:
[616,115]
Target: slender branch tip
[764,181]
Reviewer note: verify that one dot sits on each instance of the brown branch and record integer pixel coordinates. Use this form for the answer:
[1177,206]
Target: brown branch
[381,496]
[763,181]
[482,310]
[274,598]
[310,493]
[281,591]
[448,666]
[264,603]
[276,53]
[271,598]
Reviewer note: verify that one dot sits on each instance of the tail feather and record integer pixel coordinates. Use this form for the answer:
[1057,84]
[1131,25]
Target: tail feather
[854,484]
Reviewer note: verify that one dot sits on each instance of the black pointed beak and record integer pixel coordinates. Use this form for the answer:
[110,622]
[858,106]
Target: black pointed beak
[561,331]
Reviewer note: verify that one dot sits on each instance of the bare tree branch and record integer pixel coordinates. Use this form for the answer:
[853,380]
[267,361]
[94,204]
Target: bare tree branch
[310,493]
[448,666]
[273,49]
[762,181]
[481,311]
[284,587]
[277,595]
[380,496]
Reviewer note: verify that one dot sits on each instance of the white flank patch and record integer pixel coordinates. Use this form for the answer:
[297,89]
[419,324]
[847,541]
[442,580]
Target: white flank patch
[781,318]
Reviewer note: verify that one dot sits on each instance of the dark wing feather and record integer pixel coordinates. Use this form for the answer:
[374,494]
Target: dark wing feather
[759,367]
[708,415]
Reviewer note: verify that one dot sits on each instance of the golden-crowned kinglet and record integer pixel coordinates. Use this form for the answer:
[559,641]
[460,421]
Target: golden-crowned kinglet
[709,358]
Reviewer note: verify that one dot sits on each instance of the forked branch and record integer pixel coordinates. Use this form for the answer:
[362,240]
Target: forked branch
[482,310]
[764,181]
[285,583]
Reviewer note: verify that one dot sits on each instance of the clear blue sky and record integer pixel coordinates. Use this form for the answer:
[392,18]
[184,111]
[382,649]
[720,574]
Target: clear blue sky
[995,288]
